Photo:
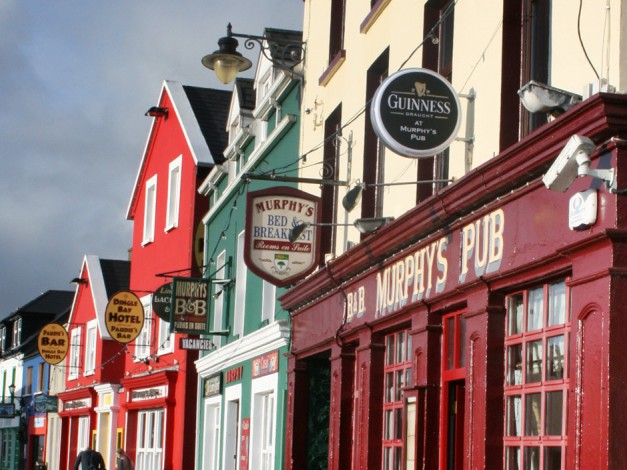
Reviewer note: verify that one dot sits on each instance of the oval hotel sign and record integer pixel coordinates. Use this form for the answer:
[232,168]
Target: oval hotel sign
[416,113]
[124,317]
[270,216]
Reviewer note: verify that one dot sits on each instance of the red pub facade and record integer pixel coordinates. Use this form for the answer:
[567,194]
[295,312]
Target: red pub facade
[477,330]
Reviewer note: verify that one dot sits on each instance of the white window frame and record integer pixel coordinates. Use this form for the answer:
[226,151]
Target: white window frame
[218,298]
[166,345]
[83,433]
[231,441]
[75,353]
[268,301]
[90,347]
[174,193]
[240,289]
[17,332]
[150,210]
[263,424]
[142,342]
[212,424]
[3,338]
[150,437]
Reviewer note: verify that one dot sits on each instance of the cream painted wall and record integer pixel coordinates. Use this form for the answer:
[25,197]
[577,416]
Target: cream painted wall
[476,65]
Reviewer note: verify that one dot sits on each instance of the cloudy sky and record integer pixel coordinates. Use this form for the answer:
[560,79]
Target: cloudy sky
[76,79]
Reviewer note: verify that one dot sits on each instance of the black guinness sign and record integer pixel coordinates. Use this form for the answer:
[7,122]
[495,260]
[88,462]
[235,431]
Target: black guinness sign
[416,113]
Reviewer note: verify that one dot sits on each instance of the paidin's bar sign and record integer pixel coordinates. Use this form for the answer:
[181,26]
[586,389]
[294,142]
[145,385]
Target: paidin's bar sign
[270,215]
[416,113]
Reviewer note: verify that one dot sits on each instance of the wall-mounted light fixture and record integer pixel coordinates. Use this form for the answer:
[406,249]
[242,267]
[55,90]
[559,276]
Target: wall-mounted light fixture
[78,280]
[279,46]
[221,286]
[538,97]
[353,196]
[365,226]
[157,111]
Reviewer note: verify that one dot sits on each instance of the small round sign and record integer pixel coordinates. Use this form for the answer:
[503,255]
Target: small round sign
[416,113]
[124,317]
[53,343]
[162,301]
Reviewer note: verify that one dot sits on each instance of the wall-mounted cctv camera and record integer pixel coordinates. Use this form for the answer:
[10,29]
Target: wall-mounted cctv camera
[573,161]
[565,168]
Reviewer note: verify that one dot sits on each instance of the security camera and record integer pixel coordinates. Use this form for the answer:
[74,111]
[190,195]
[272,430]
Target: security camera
[566,166]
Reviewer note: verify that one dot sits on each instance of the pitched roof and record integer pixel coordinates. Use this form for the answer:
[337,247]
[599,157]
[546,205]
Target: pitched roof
[51,302]
[210,108]
[116,275]
[246,96]
[50,306]
[201,113]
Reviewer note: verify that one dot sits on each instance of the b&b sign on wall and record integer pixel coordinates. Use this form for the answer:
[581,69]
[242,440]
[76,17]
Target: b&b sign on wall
[189,307]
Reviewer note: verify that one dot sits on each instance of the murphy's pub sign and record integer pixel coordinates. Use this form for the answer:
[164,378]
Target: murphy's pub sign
[270,215]
[416,113]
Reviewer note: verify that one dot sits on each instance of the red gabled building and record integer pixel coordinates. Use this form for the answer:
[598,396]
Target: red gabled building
[158,404]
[94,364]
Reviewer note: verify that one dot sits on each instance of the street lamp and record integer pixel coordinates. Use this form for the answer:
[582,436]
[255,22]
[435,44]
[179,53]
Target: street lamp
[279,46]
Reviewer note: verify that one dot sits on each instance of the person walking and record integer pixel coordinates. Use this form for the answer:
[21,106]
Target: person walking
[123,461]
[89,459]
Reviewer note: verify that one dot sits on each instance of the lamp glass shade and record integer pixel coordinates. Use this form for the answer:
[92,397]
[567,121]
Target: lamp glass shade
[226,65]
[12,389]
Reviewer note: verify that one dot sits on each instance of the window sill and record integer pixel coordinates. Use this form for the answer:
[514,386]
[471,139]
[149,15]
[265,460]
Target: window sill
[333,67]
[374,14]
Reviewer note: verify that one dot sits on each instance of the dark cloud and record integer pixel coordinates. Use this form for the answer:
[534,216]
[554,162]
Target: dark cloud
[76,80]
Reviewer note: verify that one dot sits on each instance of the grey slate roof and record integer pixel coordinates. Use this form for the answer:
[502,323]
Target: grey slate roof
[245,89]
[116,275]
[211,108]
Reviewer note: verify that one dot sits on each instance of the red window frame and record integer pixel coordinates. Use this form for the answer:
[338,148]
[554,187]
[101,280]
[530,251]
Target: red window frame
[397,371]
[537,377]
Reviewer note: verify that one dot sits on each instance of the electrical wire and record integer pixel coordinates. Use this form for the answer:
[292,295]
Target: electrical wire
[583,47]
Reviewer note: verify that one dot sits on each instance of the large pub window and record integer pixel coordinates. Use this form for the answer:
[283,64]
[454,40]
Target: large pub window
[536,377]
[397,375]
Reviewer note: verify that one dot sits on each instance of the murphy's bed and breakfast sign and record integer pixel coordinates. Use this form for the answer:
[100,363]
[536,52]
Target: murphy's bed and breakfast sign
[270,215]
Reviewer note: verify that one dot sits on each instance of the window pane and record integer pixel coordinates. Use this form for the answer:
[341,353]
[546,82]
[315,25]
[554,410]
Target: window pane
[534,361]
[557,304]
[450,344]
[532,458]
[535,308]
[532,415]
[513,415]
[389,350]
[515,315]
[555,358]
[398,423]
[389,424]
[389,387]
[462,341]
[514,364]
[512,458]
[553,418]
[400,347]
[552,458]
[398,392]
